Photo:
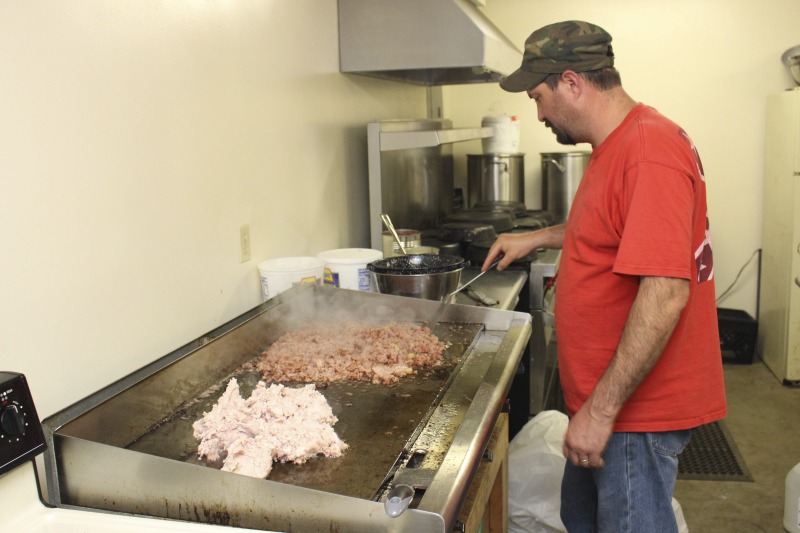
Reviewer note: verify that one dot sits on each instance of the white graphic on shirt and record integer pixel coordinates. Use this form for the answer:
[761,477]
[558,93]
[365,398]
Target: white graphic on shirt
[703,256]
[695,153]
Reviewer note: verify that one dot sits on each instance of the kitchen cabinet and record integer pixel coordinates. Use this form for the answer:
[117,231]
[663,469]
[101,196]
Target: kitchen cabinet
[779,314]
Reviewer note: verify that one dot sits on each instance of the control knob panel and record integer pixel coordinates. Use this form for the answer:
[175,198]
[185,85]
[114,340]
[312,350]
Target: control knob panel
[21,435]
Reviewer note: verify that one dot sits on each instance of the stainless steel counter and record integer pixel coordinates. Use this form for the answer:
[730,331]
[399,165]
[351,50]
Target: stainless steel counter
[503,286]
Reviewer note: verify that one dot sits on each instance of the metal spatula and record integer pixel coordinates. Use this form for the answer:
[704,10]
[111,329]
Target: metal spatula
[447,300]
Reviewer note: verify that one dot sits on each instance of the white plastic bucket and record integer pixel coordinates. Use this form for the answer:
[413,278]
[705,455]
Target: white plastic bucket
[278,275]
[506,135]
[346,268]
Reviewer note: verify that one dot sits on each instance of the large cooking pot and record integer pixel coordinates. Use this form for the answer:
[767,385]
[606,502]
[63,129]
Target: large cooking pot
[493,177]
[426,276]
[561,175]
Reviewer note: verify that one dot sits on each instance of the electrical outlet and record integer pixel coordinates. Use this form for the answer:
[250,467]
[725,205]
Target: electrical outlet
[244,243]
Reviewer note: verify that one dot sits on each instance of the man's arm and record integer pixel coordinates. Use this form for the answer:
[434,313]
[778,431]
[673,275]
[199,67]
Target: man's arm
[652,318]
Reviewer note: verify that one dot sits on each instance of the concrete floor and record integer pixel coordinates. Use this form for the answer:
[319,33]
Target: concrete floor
[764,421]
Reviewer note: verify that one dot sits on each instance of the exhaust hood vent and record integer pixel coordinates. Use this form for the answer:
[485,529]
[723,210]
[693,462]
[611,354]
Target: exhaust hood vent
[426,42]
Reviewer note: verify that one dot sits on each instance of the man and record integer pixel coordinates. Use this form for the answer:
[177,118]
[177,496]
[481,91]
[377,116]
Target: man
[638,344]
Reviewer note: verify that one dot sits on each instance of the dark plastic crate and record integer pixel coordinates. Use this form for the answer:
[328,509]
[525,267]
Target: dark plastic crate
[738,332]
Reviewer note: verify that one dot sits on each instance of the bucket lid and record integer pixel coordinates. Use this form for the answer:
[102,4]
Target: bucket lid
[350,256]
[502,119]
[404,265]
[291,264]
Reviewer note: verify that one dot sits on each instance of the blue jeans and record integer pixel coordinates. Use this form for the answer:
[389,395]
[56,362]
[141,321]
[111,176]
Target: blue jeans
[632,493]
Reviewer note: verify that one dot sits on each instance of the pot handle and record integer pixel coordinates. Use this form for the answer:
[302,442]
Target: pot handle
[558,165]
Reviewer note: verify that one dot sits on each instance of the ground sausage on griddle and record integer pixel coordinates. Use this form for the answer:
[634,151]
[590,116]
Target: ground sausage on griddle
[324,353]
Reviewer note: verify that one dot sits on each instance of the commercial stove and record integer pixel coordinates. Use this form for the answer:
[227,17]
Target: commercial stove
[124,458]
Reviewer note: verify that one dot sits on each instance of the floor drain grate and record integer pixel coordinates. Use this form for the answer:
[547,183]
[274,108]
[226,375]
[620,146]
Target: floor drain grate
[712,456]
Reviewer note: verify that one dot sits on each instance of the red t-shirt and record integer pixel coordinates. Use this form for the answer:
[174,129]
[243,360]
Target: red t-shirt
[640,210]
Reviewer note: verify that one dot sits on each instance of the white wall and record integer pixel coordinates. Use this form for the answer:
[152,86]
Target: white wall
[135,139]
[707,64]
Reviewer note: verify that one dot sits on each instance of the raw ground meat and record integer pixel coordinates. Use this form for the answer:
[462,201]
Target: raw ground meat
[323,353]
[276,423]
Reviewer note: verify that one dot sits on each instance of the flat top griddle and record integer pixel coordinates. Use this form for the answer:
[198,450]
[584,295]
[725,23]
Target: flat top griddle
[129,447]
[376,421]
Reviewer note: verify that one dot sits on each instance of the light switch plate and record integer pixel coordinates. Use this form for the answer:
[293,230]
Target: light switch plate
[244,243]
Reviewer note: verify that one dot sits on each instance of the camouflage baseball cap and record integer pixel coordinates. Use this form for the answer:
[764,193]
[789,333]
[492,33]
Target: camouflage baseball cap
[570,45]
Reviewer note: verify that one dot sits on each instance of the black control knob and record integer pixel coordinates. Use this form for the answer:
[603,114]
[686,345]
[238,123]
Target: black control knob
[21,434]
[12,421]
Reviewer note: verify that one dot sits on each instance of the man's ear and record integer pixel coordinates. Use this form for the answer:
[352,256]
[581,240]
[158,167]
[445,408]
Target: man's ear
[572,81]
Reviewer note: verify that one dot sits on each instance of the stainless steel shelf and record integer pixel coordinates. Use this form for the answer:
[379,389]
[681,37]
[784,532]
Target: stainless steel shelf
[403,140]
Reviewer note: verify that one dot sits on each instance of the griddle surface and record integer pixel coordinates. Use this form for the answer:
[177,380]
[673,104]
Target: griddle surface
[378,422]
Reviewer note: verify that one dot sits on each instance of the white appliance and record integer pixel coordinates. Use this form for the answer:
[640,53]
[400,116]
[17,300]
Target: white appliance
[779,315]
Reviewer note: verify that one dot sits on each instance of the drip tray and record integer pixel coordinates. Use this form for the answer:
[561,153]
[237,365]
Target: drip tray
[712,456]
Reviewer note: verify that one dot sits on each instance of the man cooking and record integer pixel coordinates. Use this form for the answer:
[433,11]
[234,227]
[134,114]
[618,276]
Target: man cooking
[638,344]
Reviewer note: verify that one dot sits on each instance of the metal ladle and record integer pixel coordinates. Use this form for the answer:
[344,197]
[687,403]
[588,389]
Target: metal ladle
[388,223]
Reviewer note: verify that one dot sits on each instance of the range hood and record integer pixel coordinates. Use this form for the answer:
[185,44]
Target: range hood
[426,42]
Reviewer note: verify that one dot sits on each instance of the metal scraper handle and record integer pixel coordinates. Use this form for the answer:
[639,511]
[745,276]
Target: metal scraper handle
[450,296]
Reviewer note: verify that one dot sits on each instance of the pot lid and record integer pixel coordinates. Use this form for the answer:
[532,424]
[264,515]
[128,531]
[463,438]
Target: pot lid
[502,221]
[517,208]
[466,232]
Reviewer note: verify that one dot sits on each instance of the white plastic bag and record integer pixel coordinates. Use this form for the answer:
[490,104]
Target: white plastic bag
[535,467]
[682,527]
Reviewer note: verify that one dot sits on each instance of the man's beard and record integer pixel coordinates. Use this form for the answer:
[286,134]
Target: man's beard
[562,137]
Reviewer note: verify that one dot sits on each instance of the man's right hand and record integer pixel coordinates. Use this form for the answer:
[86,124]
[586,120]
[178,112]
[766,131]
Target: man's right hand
[512,246]
[509,246]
